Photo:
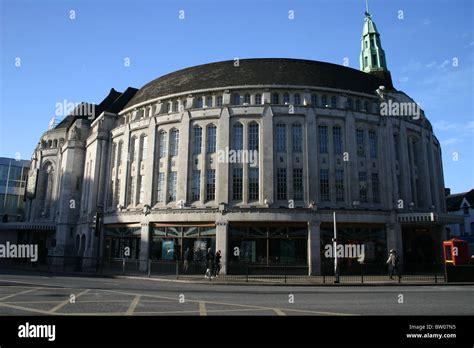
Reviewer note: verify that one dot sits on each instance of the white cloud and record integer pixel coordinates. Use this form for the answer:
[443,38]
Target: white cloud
[403,79]
[450,141]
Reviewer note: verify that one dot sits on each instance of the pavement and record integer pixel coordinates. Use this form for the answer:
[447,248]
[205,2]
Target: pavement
[53,294]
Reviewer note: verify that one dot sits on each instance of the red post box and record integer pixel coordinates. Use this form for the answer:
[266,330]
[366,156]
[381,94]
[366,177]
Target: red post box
[456,252]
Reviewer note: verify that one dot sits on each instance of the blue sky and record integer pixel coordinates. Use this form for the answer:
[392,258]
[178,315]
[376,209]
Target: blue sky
[81,59]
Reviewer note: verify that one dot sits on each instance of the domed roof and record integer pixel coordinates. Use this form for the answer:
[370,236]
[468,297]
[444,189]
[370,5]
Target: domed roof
[260,71]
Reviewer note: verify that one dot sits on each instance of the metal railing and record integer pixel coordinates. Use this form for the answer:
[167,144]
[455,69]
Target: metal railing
[232,271]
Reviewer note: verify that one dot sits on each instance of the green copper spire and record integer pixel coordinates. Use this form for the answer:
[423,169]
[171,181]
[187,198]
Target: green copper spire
[372,56]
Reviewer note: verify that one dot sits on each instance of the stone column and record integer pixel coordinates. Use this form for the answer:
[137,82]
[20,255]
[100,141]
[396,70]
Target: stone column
[183,159]
[144,245]
[314,248]
[124,168]
[152,160]
[221,241]
[265,157]
[222,168]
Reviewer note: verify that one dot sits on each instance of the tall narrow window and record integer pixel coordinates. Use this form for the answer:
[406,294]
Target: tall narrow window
[172,186]
[350,104]
[337,137]
[198,104]
[324,101]
[162,136]
[119,153]
[219,100]
[197,139]
[360,138]
[324,184]
[297,138]
[236,99]
[253,136]
[286,98]
[334,102]
[144,147]
[373,144]
[323,139]
[281,137]
[209,102]
[367,106]
[160,196]
[134,149]
[238,136]
[196,186]
[174,145]
[211,185]
[275,98]
[258,99]
[247,99]
[281,184]
[363,187]
[375,188]
[253,183]
[314,100]
[140,189]
[237,187]
[133,191]
[339,185]
[176,106]
[297,99]
[211,139]
[357,105]
[298,183]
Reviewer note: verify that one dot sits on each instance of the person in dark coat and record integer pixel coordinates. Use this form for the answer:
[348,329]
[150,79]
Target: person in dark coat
[187,258]
[217,263]
[209,263]
[393,262]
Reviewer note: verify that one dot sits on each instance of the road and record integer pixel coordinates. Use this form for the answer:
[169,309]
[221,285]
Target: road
[26,294]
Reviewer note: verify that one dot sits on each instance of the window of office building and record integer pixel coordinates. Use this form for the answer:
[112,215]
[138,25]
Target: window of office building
[281,137]
[298,183]
[196,185]
[323,139]
[237,186]
[253,136]
[339,185]
[281,184]
[253,183]
[324,184]
[172,186]
[211,185]
[297,138]
[337,137]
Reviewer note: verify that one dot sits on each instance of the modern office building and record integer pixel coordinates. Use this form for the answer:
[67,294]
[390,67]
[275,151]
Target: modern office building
[251,157]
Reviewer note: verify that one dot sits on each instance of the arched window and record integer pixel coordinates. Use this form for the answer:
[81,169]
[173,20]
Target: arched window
[297,99]
[258,99]
[197,133]
[238,136]
[314,100]
[275,98]
[253,136]
[50,143]
[247,98]
[162,142]
[286,98]
[211,138]
[334,102]
[324,101]
[209,102]
[235,99]
[174,139]
[198,104]
[55,143]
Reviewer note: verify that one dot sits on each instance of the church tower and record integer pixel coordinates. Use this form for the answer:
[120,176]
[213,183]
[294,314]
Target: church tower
[372,55]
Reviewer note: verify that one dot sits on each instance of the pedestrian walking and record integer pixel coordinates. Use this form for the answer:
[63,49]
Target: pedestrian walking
[187,257]
[393,262]
[217,263]
[209,263]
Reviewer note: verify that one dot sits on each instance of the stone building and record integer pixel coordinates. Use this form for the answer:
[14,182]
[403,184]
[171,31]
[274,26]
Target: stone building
[249,157]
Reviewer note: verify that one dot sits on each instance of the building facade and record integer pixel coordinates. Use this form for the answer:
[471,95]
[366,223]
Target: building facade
[249,157]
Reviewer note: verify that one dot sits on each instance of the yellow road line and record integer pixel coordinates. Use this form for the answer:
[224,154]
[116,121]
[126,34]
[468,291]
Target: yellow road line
[202,308]
[19,293]
[133,305]
[24,308]
[279,311]
[62,304]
